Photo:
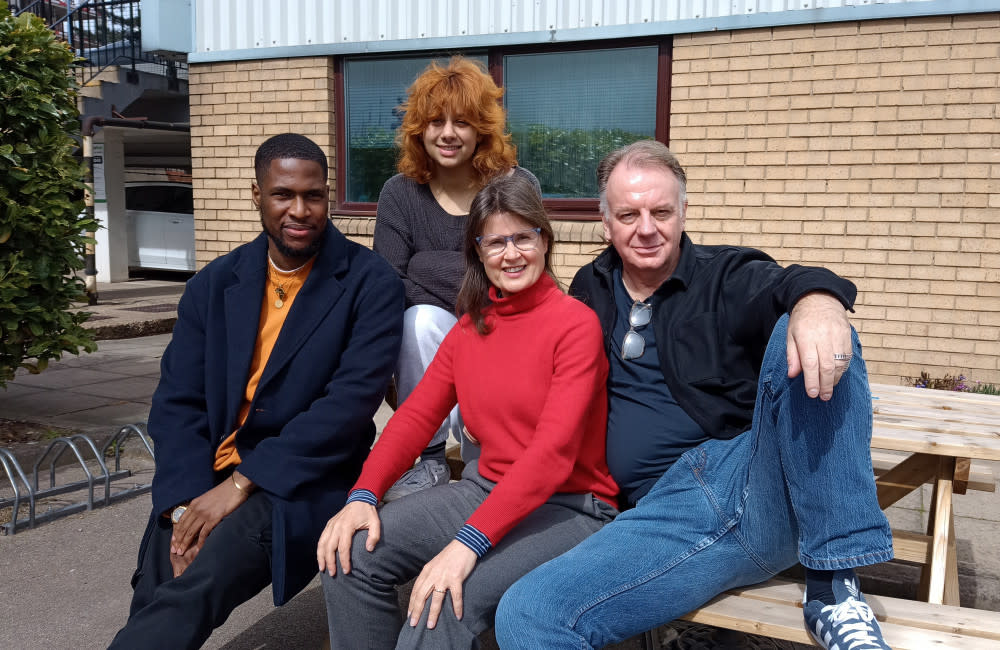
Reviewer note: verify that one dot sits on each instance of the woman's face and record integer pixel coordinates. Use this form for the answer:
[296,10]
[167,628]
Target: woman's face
[450,142]
[513,269]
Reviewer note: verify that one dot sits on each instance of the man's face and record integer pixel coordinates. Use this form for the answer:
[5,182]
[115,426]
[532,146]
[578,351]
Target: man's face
[293,198]
[645,219]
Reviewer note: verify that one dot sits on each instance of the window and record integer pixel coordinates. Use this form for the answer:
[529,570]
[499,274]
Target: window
[566,109]
[376,88]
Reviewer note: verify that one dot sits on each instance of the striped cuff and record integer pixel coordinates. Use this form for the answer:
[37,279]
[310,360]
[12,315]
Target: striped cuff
[474,539]
[365,496]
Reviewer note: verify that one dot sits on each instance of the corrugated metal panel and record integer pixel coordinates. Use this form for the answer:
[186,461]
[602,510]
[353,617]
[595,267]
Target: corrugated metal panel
[372,25]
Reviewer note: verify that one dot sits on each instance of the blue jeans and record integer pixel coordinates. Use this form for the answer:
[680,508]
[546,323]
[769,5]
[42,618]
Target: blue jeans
[798,486]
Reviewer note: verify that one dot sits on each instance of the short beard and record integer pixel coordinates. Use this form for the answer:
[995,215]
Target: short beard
[303,254]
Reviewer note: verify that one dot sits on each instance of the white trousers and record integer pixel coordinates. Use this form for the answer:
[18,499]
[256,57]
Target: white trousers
[424,328]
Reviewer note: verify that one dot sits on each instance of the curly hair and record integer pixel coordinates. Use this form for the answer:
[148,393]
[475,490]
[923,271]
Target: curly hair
[464,89]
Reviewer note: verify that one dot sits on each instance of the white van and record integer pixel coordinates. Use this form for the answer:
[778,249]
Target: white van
[160,216]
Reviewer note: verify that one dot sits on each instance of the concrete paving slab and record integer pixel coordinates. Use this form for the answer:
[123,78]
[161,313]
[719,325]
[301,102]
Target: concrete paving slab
[126,388]
[44,406]
[109,417]
[138,367]
[67,378]
[12,390]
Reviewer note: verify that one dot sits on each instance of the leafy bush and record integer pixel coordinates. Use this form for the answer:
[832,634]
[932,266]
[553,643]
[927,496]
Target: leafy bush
[41,227]
[984,389]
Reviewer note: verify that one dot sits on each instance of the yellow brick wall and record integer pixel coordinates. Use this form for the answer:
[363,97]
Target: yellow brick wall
[872,148]
[234,107]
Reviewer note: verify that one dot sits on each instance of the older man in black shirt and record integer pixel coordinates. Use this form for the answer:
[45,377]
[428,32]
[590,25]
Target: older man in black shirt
[733,449]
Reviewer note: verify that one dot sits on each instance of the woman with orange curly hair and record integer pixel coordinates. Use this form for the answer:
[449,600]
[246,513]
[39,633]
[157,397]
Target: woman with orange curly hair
[452,142]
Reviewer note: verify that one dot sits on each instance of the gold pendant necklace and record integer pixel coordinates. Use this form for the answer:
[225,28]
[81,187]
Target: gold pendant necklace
[279,288]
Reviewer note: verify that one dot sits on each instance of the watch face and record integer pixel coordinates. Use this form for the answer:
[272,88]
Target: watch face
[175,516]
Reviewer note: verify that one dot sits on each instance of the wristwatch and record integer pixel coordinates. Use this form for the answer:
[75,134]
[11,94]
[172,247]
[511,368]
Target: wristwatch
[175,516]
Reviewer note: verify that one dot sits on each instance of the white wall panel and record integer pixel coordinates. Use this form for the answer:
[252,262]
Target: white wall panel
[319,26]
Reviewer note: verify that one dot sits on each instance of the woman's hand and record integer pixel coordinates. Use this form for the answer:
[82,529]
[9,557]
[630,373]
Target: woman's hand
[446,572]
[339,532]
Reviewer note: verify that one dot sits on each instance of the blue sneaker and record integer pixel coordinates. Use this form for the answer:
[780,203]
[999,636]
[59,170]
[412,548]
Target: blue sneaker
[848,625]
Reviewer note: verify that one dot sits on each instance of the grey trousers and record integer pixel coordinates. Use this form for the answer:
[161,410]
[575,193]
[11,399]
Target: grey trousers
[362,607]
[424,327]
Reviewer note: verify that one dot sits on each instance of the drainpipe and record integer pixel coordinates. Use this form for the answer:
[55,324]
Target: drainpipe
[89,258]
[90,125]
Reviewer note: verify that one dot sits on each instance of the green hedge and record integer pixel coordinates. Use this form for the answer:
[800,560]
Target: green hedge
[41,226]
[565,160]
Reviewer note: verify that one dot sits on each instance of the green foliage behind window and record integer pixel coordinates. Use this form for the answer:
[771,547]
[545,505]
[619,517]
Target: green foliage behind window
[41,187]
[565,160]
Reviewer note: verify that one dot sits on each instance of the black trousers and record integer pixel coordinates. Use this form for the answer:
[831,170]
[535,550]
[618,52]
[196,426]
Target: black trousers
[232,567]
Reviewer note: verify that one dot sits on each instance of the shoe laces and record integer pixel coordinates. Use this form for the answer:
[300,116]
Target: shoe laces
[854,618]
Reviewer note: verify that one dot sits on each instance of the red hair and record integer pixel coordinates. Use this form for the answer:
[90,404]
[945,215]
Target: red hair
[463,89]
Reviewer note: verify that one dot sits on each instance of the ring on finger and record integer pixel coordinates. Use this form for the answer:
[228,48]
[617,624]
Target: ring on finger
[843,357]
[439,591]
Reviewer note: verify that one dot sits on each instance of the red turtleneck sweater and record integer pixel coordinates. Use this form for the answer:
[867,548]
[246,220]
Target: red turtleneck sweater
[532,391]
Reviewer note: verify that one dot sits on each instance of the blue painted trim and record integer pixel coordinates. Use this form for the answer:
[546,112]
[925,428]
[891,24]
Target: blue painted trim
[691,26]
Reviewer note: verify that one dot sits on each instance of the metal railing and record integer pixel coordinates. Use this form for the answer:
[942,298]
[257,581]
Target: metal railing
[102,35]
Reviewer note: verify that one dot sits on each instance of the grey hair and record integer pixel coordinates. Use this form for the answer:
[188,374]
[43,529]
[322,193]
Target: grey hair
[641,153]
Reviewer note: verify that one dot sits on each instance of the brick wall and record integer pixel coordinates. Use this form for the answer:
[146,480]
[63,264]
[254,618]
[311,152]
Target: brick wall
[872,148]
[234,107]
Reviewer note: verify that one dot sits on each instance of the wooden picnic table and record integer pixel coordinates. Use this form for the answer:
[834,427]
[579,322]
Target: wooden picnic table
[950,439]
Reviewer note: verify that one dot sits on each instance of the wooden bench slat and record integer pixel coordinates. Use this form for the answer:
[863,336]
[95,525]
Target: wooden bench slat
[981,475]
[934,395]
[916,613]
[938,426]
[906,623]
[942,408]
[783,621]
[957,417]
[911,547]
[913,439]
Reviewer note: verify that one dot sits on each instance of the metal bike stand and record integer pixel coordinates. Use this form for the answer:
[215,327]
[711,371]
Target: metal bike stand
[117,443]
[14,472]
[55,450]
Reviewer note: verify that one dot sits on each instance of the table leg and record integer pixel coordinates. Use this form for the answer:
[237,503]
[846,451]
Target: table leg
[939,581]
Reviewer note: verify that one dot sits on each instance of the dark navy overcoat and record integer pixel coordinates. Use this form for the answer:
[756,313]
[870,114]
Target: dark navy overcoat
[310,423]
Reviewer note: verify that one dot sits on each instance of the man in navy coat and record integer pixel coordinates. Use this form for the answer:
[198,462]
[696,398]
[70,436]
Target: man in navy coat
[280,356]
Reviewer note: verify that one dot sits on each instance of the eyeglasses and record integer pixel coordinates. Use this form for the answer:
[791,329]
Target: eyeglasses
[523,240]
[634,345]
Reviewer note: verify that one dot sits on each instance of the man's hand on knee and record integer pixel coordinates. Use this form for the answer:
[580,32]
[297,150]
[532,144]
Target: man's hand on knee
[203,514]
[181,562]
[818,330]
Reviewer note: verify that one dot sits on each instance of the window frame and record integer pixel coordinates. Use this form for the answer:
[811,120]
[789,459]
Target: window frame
[563,209]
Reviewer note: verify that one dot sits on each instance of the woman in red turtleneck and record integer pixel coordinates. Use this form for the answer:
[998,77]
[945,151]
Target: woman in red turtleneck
[526,365]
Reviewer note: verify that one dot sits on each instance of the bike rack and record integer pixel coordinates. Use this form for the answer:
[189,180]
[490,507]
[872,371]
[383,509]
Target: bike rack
[57,447]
